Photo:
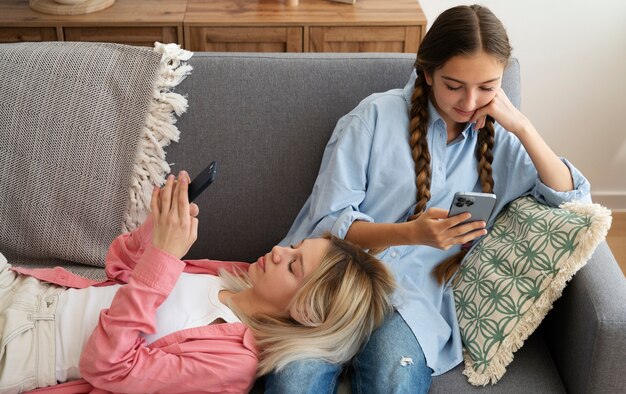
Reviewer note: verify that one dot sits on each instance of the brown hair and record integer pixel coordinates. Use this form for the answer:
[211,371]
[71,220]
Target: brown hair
[462,30]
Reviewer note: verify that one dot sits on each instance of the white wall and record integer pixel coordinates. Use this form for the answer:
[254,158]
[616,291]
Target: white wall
[573,63]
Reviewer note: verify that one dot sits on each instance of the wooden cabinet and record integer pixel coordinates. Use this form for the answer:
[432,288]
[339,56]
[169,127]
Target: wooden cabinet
[230,25]
[364,39]
[135,22]
[145,36]
[244,39]
[311,26]
[24,33]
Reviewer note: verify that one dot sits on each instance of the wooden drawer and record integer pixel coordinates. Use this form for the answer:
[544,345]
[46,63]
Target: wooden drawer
[244,39]
[143,36]
[19,34]
[364,39]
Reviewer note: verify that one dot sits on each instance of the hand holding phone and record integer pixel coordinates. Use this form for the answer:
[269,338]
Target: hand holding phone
[202,181]
[479,205]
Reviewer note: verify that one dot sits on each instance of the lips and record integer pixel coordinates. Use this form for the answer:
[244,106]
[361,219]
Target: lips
[261,263]
[464,113]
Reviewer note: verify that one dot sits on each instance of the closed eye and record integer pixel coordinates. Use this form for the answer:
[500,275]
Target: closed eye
[453,88]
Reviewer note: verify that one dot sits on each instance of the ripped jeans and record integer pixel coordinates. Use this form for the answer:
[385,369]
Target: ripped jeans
[391,362]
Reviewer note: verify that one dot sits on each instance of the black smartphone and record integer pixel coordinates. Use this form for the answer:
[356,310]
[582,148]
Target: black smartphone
[202,181]
[480,205]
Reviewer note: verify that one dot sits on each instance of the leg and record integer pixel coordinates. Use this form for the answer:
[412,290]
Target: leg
[391,362]
[27,331]
[306,376]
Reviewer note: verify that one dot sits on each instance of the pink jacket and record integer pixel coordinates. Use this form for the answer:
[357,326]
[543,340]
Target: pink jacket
[213,358]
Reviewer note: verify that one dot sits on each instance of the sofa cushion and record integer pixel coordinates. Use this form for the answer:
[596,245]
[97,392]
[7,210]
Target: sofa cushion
[83,126]
[510,279]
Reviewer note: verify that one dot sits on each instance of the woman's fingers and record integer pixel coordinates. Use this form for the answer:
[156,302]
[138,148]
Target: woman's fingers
[154,203]
[194,210]
[166,194]
[458,219]
[470,236]
[182,196]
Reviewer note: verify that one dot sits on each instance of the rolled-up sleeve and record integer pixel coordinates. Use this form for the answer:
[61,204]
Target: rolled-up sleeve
[581,191]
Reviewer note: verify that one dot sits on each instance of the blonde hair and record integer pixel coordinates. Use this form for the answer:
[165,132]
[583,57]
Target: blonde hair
[333,313]
[457,31]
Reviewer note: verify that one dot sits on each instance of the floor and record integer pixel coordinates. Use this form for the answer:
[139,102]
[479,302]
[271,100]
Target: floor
[617,239]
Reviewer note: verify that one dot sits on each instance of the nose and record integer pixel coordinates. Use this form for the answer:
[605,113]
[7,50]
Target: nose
[469,100]
[279,254]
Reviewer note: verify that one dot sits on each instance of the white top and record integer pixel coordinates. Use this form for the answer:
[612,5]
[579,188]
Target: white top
[193,302]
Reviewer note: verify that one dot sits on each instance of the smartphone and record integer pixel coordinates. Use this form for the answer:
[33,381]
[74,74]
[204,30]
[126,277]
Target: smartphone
[202,181]
[480,205]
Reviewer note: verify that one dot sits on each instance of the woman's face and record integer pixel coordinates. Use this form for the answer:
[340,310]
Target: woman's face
[277,276]
[464,84]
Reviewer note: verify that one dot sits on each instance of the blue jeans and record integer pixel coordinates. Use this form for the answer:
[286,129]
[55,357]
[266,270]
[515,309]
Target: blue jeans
[391,362]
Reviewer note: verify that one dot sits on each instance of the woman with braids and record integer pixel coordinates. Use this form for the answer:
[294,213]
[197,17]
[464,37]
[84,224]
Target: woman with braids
[163,325]
[388,175]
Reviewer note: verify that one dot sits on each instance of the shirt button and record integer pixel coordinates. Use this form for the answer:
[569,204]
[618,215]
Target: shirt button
[393,254]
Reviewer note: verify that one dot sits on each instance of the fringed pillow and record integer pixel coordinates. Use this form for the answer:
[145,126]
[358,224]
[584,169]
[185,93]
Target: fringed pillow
[82,132]
[508,282]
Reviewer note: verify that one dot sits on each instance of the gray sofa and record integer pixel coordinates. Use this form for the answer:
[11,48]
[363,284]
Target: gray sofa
[266,118]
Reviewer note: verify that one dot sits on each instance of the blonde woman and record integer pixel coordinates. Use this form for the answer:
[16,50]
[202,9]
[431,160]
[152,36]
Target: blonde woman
[160,324]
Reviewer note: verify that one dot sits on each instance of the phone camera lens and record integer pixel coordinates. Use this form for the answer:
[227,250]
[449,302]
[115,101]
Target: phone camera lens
[461,199]
[459,204]
[469,203]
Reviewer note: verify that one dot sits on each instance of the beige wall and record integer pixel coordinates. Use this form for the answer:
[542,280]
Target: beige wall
[573,59]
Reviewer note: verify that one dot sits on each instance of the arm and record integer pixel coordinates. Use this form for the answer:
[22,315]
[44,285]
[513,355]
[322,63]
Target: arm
[344,182]
[432,228]
[116,357]
[126,250]
[552,171]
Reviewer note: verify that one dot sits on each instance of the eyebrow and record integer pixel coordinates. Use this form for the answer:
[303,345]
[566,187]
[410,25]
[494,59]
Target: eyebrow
[465,83]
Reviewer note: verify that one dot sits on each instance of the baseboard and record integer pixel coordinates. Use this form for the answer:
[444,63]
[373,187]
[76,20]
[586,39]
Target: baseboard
[615,201]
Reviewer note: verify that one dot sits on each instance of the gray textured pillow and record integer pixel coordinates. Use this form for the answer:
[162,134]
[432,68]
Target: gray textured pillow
[82,132]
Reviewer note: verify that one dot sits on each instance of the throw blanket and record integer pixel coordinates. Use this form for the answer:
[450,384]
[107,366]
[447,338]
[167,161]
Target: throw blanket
[82,132]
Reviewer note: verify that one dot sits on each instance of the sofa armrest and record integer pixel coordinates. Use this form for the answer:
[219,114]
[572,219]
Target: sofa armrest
[586,331]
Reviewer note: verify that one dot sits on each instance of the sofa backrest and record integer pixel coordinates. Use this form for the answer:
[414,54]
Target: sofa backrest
[266,119]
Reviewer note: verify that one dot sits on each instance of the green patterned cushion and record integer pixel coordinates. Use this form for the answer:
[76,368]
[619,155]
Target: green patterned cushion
[509,280]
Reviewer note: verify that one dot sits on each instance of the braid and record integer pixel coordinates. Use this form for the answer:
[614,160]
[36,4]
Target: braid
[484,155]
[419,145]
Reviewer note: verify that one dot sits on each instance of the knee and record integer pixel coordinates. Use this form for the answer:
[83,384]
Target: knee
[304,376]
[393,358]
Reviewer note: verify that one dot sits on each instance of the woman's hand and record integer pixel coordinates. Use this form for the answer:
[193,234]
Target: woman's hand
[434,228]
[503,111]
[174,218]
[552,171]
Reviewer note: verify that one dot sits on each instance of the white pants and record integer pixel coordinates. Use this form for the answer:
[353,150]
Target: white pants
[27,337]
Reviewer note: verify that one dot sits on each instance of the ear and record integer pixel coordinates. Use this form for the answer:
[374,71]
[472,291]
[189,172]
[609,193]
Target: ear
[429,78]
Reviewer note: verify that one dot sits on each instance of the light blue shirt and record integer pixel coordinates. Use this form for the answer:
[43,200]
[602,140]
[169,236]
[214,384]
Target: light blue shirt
[368,173]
